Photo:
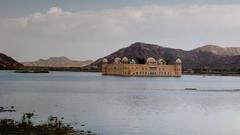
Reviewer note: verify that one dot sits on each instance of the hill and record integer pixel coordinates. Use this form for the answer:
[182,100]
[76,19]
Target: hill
[7,62]
[57,62]
[206,56]
[217,50]
[229,62]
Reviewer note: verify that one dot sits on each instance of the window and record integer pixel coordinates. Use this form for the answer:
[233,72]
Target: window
[153,68]
[152,73]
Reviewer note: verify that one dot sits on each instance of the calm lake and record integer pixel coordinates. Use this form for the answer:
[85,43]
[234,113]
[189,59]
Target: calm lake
[111,105]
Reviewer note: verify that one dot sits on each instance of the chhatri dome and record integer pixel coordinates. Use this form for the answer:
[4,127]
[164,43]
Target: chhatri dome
[178,61]
[117,60]
[132,61]
[125,60]
[151,60]
[161,61]
[105,60]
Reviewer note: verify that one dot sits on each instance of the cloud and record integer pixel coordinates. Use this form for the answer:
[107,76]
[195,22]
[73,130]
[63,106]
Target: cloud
[96,33]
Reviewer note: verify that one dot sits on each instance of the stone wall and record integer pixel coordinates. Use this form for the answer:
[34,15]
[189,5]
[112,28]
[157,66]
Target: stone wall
[142,70]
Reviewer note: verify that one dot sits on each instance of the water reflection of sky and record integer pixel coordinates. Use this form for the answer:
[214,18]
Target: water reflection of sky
[127,106]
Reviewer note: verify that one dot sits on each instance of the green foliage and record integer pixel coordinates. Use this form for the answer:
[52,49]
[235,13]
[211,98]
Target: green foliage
[140,60]
[53,126]
[166,62]
[234,70]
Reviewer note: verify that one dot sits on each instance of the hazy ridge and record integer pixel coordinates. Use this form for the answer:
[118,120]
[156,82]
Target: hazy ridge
[57,62]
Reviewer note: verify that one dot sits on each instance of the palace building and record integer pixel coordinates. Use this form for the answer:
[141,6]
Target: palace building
[125,67]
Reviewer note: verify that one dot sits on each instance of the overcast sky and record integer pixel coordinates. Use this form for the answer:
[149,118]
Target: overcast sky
[89,29]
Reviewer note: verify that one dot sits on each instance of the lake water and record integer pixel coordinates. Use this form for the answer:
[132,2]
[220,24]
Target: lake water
[112,105]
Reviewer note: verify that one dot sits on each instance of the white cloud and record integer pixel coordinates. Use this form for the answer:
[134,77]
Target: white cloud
[92,34]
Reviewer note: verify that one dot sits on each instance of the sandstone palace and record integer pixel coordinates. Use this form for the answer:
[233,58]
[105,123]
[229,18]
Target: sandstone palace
[126,67]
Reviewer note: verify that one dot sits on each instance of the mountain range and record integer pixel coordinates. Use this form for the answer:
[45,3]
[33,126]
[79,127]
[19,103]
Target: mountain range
[57,62]
[210,56]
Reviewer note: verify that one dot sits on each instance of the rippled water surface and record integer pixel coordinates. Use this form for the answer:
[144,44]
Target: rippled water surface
[128,105]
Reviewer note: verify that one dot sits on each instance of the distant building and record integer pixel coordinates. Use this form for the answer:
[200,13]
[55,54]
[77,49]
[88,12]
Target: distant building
[126,67]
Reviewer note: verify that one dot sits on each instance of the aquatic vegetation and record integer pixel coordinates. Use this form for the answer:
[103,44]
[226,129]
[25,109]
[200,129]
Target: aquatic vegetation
[53,126]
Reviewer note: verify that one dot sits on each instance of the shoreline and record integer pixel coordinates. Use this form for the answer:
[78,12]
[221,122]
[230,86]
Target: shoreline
[213,74]
[98,71]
